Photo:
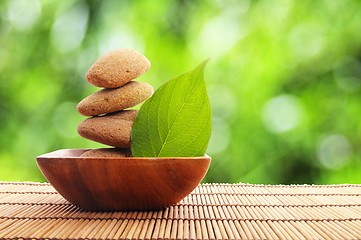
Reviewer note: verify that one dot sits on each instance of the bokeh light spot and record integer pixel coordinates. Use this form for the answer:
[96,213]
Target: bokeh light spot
[23,14]
[333,151]
[347,73]
[221,135]
[119,38]
[69,28]
[223,101]
[306,41]
[223,32]
[282,113]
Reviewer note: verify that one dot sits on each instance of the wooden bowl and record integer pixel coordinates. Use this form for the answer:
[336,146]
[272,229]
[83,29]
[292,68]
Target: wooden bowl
[124,183]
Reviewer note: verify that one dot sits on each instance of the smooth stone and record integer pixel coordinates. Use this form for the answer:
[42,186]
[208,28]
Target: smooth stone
[110,129]
[113,100]
[107,153]
[117,68]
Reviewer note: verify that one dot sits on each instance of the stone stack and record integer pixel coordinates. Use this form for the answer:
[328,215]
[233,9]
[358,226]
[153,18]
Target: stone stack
[110,123]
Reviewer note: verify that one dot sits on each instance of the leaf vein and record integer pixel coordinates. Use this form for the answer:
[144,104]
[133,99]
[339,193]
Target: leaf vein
[200,133]
[189,122]
[180,109]
[148,125]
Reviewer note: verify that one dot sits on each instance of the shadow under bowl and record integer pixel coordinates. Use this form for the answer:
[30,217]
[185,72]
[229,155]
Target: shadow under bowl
[122,183]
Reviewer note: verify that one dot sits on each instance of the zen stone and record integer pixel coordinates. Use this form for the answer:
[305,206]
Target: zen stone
[113,100]
[117,68]
[108,152]
[110,129]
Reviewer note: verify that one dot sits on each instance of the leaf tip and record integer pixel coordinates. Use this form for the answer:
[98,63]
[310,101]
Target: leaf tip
[204,63]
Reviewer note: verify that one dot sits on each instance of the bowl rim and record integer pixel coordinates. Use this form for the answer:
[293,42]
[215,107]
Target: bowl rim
[53,155]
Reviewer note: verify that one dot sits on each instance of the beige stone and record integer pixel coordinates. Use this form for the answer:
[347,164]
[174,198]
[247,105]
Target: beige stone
[110,129]
[108,153]
[113,100]
[117,68]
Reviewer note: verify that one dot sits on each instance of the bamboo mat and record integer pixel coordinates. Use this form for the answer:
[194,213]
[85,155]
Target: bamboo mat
[211,211]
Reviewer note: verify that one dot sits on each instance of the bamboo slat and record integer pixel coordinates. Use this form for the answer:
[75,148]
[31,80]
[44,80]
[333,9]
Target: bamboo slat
[212,211]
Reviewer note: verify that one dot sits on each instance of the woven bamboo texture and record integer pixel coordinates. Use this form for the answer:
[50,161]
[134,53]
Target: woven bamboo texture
[211,211]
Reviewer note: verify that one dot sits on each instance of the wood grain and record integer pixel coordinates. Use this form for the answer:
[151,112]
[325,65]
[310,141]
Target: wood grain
[112,184]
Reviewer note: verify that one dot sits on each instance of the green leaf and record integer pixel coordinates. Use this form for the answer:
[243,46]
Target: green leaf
[176,121]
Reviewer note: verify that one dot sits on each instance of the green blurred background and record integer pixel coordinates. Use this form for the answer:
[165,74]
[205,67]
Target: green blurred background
[284,79]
